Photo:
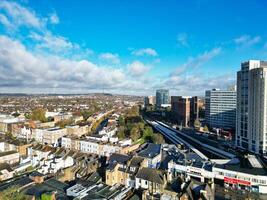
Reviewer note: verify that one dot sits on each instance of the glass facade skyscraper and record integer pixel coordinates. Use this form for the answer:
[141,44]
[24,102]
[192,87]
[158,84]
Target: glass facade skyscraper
[162,97]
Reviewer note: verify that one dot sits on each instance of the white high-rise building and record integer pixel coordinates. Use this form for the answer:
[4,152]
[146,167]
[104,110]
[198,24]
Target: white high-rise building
[220,109]
[251,118]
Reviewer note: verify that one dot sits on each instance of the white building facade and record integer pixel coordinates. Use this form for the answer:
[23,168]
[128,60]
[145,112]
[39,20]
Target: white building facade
[251,119]
[220,108]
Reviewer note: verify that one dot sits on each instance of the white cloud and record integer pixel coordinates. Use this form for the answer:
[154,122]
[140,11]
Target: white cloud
[20,68]
[196,84]
[247,40]
[52,63]
[5,21]
[18,16]
[145,51]
[53,18]
[52,43]
[195,62]
[113,58]
[182,39]
[137,68]
[14,16]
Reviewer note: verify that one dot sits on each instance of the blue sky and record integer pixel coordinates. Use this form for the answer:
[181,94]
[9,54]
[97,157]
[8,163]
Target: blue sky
[128,47]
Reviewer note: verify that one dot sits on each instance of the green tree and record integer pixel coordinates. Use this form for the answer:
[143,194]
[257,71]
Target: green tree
[86,114]
[197,123]
[148,134]
[12,193]
[64,123]
[121,121]
[38,114]
[141,126]
[47,196]
[135,133]
[206,129]
[133,111]
[9,135]
[27,115]
[121,133]
[158,139]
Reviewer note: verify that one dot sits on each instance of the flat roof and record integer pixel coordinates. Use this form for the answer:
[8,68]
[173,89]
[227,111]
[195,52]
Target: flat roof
[245,166]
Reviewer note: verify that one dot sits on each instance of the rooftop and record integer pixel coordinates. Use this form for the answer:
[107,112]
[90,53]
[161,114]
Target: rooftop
[20,182]
[5,153]
[49,185]
[150,151]
[248,165]
[150,174]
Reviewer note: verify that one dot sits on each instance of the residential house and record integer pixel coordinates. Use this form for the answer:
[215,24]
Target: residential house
[77,130]
[152,155]
[10,157]
[151,179]
[50,135]
[116,169]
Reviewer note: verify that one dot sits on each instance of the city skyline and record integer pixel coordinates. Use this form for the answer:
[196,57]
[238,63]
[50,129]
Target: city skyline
[127,48]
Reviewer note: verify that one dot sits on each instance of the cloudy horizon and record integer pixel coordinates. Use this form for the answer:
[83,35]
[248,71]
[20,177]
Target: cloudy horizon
[47,49]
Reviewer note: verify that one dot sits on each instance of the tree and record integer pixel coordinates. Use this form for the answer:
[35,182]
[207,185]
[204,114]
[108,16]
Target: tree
[158,139]
[206,129]
[86,114]
[133,111]
[9,135]
[121,134]
[27,115]
[121,121]
[12,193]
[64,123]
[197,123]
[47,196]
[141,126]
[135,133]
[38,114]
[148,134]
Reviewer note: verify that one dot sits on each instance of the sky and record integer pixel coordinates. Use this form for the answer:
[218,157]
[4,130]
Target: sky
[128,47]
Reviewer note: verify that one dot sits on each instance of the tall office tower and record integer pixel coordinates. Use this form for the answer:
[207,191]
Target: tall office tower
[149,100]
[251,118]
[221,108]
[184,109]
[162,97]
[194,108]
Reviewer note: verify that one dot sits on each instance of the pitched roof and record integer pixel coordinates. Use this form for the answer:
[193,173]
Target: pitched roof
[116,158]
[152,175]
[136,161]
[150,151]
[119,158]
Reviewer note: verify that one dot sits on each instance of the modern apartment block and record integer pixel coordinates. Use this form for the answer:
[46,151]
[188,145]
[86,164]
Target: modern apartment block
[184,109]
[251,119]
[162,97]
[220,108]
